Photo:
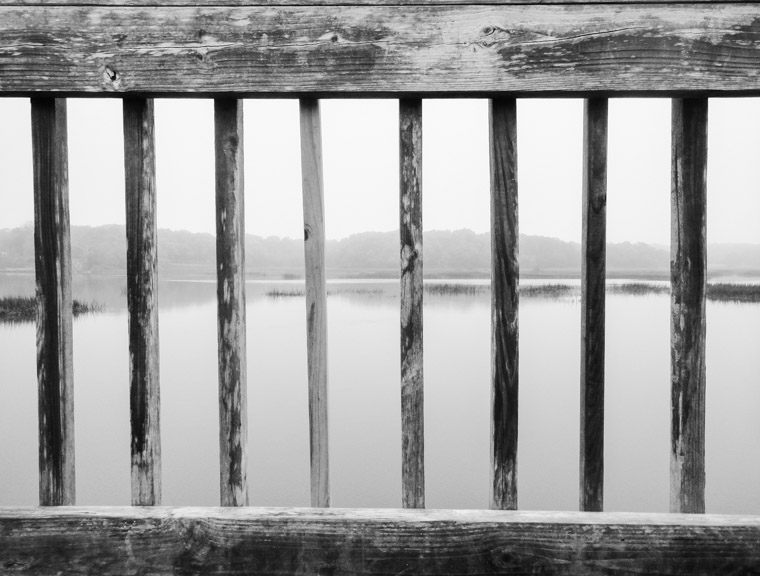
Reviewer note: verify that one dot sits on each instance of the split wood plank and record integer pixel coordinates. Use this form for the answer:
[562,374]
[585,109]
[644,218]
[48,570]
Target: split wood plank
[230,292]
[593,280]
[688,263]
[275,541]
[505,273]
[142,300]
[412,397]
[316,297]
[318,51]
[52,260]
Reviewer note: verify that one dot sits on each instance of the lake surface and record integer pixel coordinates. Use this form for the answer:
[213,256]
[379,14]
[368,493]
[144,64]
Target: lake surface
[365,399]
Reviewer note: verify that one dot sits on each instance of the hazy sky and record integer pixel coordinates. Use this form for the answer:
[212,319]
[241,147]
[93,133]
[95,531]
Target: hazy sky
[360,139]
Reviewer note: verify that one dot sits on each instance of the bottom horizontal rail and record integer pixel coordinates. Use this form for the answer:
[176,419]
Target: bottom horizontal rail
[168,540]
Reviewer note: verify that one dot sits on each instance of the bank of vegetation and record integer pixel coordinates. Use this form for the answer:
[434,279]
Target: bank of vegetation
[720,292]
[24,309]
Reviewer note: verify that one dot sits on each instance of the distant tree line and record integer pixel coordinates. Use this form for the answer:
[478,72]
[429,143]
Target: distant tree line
[102,249]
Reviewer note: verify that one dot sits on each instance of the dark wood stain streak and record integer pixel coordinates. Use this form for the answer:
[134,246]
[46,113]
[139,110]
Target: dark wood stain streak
[276,541]
[569,49]
[142,300]
[52,259]
[505,273]
[316,297]
[687,316]
[412,410]
[593,277]
[230,292]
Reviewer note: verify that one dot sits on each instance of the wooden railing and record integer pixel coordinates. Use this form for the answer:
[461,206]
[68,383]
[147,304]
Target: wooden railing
[408,49]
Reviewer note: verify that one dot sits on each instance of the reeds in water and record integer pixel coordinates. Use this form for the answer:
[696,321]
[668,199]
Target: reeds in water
[723,292]
[734,292]
[24,308]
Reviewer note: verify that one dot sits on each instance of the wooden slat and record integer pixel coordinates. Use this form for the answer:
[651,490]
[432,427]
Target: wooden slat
[593,272]
[316,297]
[688,262]
[412,412]
[52,259]
[230,292]
[505,272]
[382,50]
[142,300]
[158,3]
[276,541]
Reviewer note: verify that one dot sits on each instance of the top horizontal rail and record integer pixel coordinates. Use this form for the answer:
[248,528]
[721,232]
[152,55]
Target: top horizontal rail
[274,3]
[382,51]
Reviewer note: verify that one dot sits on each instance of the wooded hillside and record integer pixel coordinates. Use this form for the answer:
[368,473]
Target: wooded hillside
[102,250]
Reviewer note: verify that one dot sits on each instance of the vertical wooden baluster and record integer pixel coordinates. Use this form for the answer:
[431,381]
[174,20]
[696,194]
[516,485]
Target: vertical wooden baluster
[687,313]
[316,297]
[52,259]
[230,293]
[505,273]
[593,270]
[412,413]
[142,300]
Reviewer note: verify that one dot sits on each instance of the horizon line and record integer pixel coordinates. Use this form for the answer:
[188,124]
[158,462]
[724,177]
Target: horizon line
[662,245]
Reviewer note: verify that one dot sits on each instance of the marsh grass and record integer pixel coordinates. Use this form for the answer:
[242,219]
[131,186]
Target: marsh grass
[733,292]
[443,289]
[299,292]
[24,309]
[638,288]
[551,291]
[289,293]
[446,289]
[716,292]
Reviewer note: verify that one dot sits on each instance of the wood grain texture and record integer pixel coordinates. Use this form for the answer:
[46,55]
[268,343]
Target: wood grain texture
[267,541]
[593,279]
[142,300]
[52,262]
[275,3]
[316,297]
[688,262]
[317,51]
[412,397]
[230,296]
[505,273]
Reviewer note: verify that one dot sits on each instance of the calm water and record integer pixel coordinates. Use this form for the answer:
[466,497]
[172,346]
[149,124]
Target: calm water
[364,399]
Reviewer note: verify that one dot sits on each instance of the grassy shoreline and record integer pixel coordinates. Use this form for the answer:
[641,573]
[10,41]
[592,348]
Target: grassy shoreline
[719,292]
[24,308]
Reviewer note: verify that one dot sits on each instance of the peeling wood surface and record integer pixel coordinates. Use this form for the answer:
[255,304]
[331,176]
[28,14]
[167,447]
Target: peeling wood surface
[505,272]
[316,297]
[42,541]
[230,292]
[142,300]
[412,396]
[688,262]
[52,259]
[382,50]
[593,278]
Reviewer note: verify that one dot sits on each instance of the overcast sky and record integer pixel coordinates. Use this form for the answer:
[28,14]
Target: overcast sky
[360,139]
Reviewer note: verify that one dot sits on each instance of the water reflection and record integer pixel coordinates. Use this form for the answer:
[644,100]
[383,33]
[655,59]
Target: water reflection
[364,398]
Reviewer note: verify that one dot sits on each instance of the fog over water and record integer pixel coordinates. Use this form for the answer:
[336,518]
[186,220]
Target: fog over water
[365,398]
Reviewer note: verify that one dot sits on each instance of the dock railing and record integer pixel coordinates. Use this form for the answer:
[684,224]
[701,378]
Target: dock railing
[228,50]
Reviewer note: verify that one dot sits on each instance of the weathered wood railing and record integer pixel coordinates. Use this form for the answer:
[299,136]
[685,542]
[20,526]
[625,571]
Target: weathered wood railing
[407,49]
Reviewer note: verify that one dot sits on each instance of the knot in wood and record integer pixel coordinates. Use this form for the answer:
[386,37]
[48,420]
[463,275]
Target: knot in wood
[491,35]
[111,76]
